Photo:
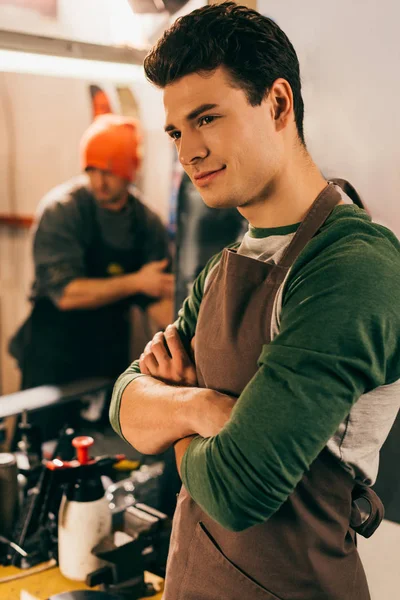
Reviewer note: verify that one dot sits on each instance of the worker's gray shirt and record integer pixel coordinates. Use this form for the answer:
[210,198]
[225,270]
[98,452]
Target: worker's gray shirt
[63,233]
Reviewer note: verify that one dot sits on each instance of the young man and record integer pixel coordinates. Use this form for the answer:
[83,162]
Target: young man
[294,385]
[97,249]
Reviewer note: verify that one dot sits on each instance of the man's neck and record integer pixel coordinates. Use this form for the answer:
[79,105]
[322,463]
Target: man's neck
[289,197]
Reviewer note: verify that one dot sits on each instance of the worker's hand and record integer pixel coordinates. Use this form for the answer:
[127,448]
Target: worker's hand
[152,281]
[165,358]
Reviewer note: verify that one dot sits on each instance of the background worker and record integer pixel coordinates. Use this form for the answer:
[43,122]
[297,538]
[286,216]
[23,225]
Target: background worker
[97,250]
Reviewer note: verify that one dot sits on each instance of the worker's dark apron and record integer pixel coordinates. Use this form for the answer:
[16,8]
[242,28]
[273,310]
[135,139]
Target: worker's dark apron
[55,347]
[306,550]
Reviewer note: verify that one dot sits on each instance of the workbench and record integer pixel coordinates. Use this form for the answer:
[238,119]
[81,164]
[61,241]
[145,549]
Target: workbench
[45,580]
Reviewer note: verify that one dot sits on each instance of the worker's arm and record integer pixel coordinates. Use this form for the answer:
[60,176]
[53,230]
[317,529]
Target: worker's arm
[84,293]
[152,414]
[166,405]
[170,405]
[155,246]
[60,256]
[206,411]
[339,339]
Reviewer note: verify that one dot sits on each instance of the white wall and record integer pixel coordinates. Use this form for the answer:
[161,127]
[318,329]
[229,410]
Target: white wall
[95,21]
[349,54]
[380,556]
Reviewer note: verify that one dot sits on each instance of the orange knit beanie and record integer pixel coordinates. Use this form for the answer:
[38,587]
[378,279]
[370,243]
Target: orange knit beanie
[112,143]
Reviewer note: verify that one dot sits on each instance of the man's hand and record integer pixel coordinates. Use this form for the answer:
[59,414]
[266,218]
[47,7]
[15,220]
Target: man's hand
[152,281]
[166,359]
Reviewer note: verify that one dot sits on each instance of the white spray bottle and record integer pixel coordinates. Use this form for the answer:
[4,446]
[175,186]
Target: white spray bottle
[84,517]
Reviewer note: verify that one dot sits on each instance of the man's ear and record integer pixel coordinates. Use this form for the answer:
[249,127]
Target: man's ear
[281,99]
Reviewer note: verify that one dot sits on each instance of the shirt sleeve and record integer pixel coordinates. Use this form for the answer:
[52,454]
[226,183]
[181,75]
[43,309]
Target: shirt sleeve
[58,250]
[339,338]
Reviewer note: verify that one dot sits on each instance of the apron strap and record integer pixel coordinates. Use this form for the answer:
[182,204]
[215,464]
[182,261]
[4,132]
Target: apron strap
[350,190]
[314,219]
[367,511]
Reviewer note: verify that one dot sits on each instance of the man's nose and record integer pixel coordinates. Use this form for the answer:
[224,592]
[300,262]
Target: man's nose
[101,180]
[192,149]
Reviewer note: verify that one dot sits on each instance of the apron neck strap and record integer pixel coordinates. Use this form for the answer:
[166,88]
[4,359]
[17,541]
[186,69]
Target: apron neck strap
[350,190]
[314,219]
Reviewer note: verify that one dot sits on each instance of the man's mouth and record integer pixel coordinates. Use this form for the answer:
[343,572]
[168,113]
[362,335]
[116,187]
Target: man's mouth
[205,177]
[105,198]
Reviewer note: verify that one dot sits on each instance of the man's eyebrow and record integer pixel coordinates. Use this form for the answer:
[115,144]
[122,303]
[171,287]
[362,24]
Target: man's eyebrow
[193,115]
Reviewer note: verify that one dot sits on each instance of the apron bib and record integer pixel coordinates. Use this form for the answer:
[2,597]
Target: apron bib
[306,550]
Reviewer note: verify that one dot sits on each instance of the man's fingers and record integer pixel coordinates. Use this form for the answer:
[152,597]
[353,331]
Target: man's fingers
[159,348]
[149,358]
[142,365]
[150,363]
[175,345]
[147,348]
[160,264]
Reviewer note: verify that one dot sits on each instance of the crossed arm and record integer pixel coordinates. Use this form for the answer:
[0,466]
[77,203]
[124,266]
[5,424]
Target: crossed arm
[167,407]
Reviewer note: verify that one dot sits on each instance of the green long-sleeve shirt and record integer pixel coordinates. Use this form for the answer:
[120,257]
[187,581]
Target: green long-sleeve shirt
[330,377]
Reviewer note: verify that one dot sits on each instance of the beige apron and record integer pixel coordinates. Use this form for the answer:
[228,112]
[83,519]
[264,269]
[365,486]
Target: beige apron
[306,550]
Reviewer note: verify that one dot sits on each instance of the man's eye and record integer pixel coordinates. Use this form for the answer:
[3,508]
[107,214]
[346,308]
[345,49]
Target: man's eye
[175,135]
[206,120]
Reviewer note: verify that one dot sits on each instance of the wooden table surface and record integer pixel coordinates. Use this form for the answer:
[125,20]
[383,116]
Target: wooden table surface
[41,585]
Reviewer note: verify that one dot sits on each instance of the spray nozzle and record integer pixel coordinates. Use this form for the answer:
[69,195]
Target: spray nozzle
[82,445]
[83,460]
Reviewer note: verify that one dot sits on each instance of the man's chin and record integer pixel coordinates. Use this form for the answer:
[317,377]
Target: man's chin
[102,198]
[113,206]
[213,201]
[111,203]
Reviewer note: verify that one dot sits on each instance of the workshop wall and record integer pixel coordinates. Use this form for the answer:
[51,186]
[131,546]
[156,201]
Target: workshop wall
[349,52]
[94,21]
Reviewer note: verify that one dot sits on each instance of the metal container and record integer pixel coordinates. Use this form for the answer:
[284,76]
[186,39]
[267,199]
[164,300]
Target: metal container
[8,492]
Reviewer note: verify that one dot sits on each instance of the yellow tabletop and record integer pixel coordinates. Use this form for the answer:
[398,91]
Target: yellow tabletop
[45,580]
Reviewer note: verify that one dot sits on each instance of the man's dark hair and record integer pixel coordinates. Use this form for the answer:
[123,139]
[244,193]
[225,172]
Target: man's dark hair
[252,48]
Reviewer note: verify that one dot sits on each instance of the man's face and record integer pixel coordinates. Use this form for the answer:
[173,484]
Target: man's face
[230,149]
[109,190]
